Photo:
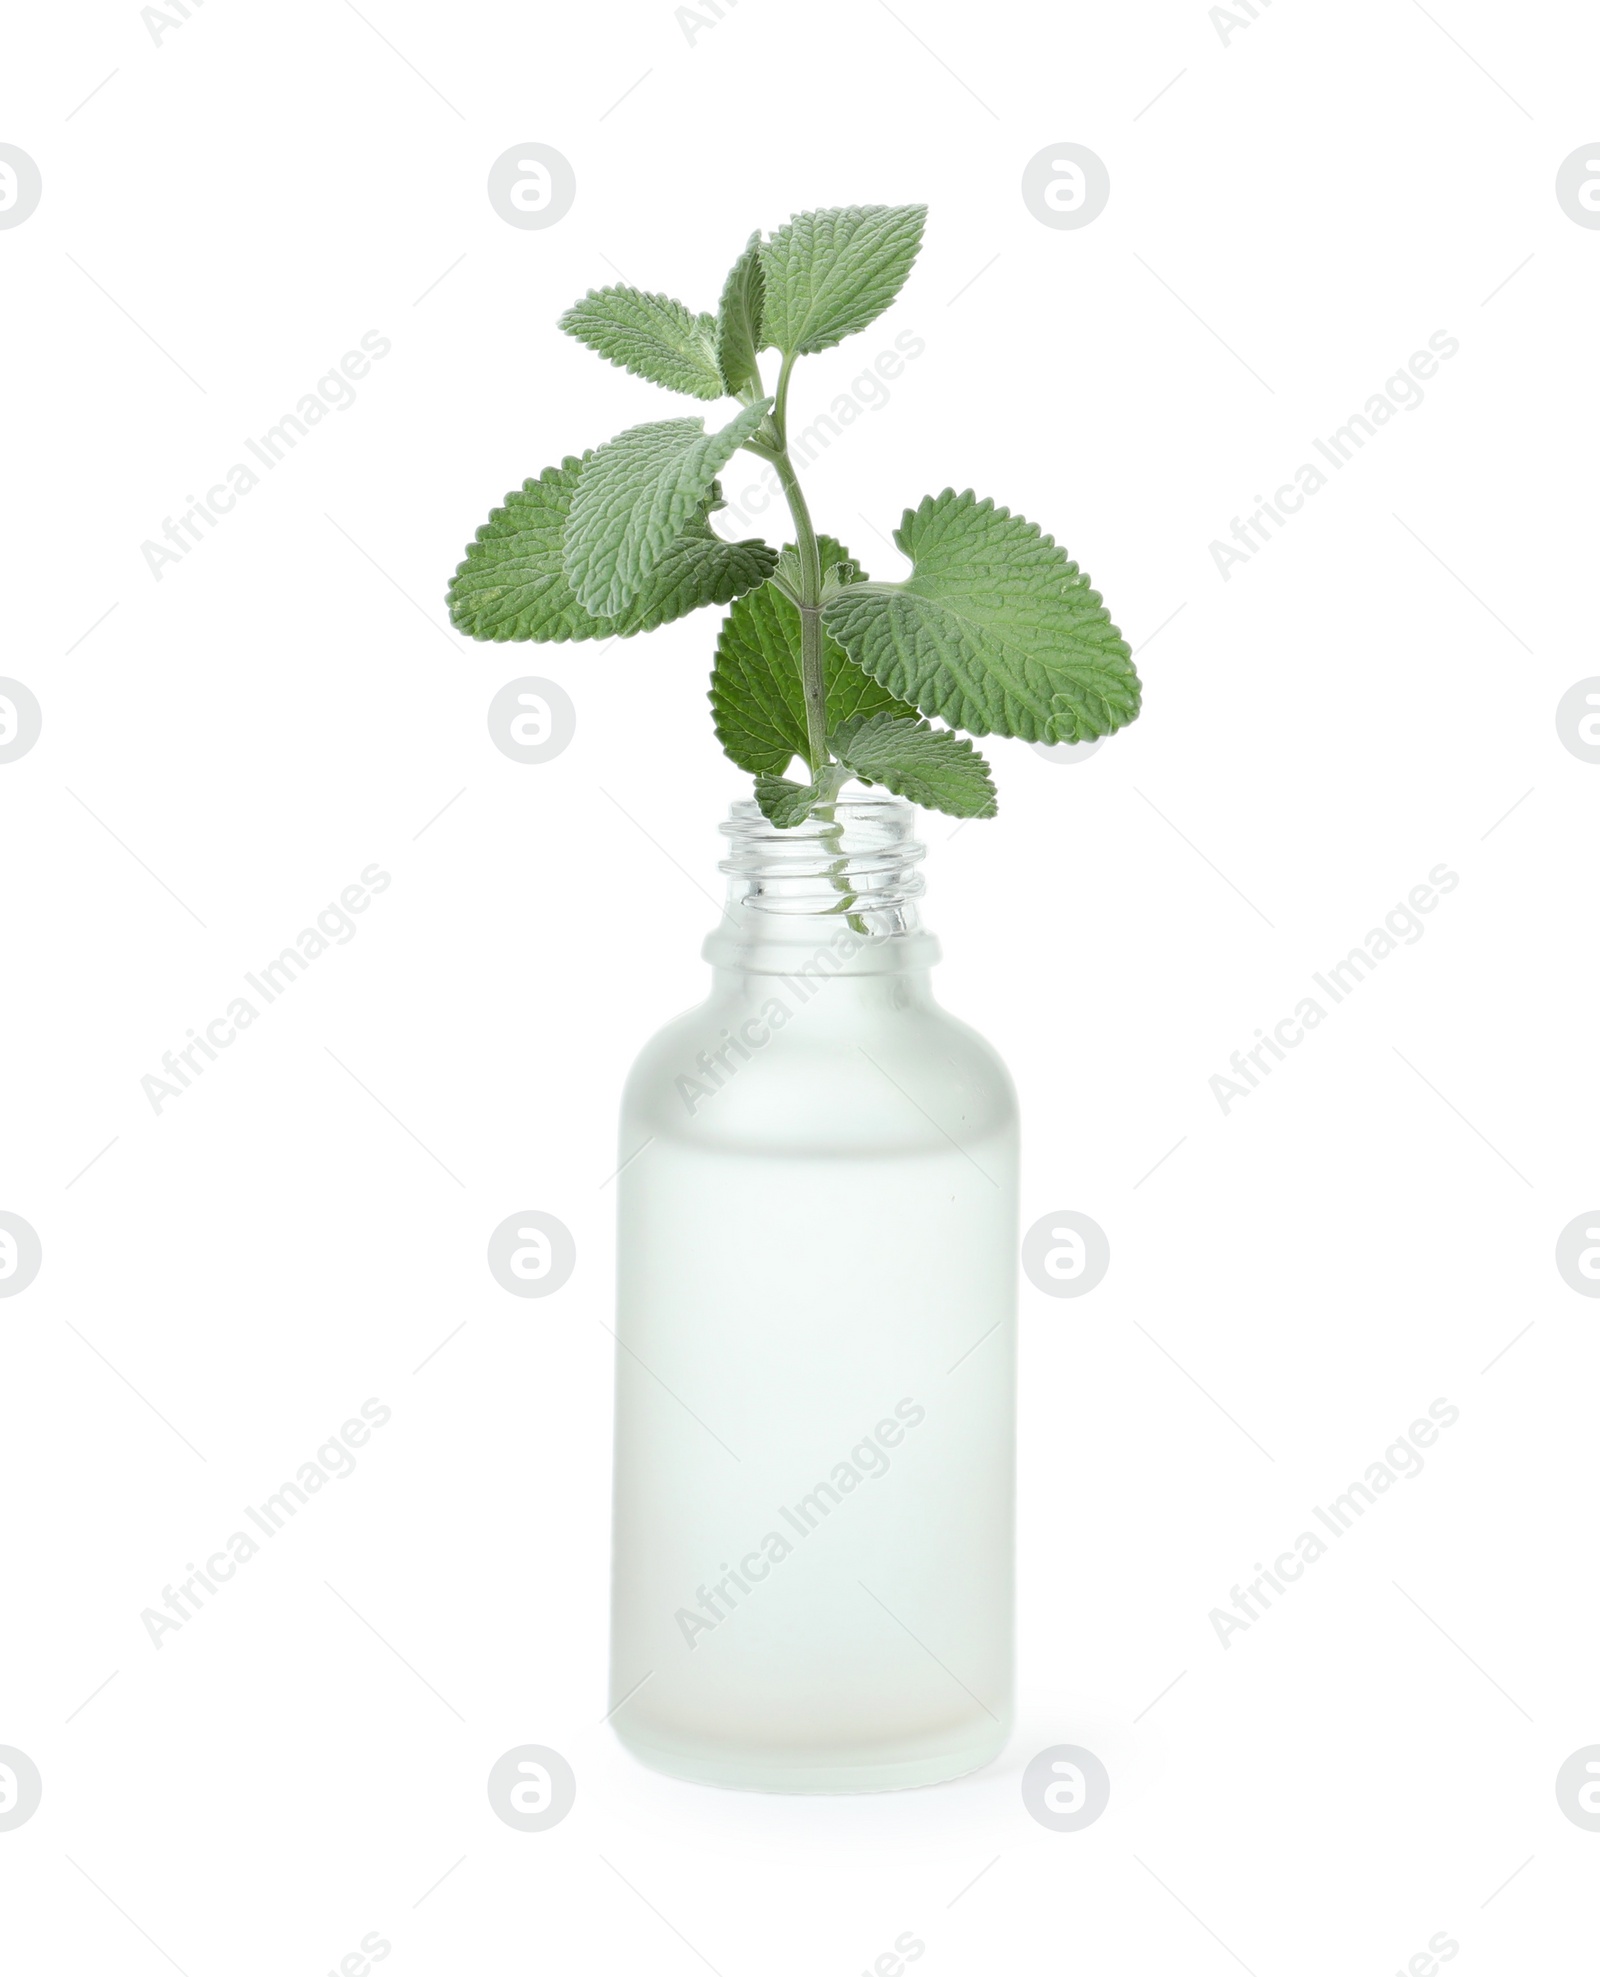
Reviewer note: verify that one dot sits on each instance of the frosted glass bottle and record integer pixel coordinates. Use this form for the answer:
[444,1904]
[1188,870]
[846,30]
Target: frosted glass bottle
[815,1411]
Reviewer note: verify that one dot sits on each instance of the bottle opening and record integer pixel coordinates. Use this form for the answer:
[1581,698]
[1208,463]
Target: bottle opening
[858,858]
[849,872]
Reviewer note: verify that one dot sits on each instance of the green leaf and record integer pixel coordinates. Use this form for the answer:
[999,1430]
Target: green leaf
[839,576]
[996,630]
[786,574]
[786,804]
[930,766]
[739,335]
[757,701]
[831,273]
[650,335]
[512,584]
[835,576]
[637,494]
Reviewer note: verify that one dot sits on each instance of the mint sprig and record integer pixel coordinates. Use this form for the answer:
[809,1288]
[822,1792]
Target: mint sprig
[995,631]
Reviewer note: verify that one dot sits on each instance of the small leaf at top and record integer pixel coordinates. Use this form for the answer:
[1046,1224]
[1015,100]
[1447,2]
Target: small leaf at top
[512,584]
[650,335]
[830,273]
[739,335]
[786,574]
[996,630]
[636,495]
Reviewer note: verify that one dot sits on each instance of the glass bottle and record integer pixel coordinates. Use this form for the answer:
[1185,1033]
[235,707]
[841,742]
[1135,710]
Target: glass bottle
[815,1411]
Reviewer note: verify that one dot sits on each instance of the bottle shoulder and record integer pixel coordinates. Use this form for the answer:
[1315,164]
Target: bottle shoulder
[848,1065]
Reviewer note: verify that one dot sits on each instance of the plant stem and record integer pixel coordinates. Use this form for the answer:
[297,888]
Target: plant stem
[811,675]
[813,682]
[780,407]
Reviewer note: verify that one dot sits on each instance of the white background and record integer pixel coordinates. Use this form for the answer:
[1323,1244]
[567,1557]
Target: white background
[1370,695]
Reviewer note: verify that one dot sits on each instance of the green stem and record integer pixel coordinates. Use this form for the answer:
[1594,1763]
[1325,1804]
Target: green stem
[780,409]
[812,682]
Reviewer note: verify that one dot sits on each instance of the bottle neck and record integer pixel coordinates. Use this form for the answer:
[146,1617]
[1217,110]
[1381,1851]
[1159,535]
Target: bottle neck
[835,895]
